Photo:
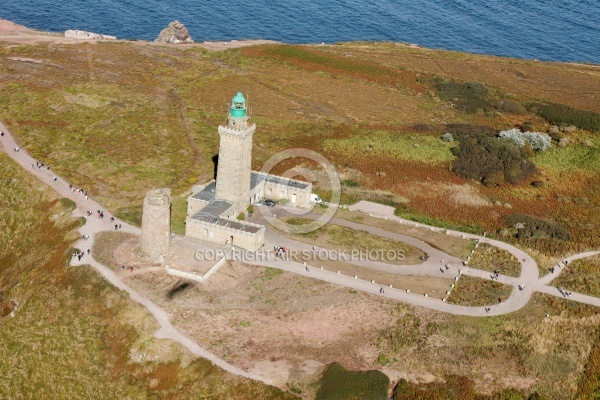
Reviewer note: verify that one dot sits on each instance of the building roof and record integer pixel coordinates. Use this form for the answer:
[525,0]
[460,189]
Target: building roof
[279,180]
[207,193]
[211,214]
[215,208]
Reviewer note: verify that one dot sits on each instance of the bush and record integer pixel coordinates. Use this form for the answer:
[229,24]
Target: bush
[510,106]
[242,216]
[561,114]
[469,96]
[529,226]
[337,383]
[537,140]
[484,157]
[447,137]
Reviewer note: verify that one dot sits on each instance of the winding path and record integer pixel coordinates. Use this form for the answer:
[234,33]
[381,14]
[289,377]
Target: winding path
[95,225]
[518,298]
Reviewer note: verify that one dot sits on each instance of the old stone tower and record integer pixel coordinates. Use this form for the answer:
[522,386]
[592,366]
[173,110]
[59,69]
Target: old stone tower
[156,223]
[235,156]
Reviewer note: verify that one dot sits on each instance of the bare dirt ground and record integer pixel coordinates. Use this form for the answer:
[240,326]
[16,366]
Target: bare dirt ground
[273,322]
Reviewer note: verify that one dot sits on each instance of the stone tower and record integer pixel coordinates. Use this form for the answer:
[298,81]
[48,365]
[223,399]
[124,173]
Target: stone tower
[156,223]
[235,156]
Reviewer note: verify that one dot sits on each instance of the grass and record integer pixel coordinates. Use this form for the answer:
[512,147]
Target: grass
[395,145]
[450,244]
[73,335]
[336,237]
[117,127]
[141,117]
[491,258]
[582,276]
[475,292]
[105,245]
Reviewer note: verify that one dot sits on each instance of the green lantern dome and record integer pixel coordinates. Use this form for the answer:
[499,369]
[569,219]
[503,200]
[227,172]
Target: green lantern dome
[238,105]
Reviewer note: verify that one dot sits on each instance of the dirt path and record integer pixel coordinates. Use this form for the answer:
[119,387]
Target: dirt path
[95,225]
[518,298]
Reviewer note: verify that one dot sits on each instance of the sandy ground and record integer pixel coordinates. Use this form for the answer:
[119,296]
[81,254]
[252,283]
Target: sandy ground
[272,322]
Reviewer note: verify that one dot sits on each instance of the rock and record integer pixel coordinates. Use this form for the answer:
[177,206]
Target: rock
[175,32]
[554,130]
[563,142]
[588,143]
[569,129]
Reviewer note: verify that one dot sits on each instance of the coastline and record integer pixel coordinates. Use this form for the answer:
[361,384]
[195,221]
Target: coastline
[19,34]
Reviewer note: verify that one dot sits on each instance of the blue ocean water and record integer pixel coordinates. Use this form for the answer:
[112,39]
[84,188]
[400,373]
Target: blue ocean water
[554,30]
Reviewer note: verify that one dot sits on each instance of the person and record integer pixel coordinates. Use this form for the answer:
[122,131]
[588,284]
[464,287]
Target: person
[89,251]
[1,134]
[54,179]
[381,290]
[116,227]
[123,267]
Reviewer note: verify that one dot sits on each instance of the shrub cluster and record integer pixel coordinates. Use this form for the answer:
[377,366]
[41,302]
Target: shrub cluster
[561,114]
[455,388]
[473,96]
[529,226]
[484,157]
[469,96]
[536,140]
[337,383]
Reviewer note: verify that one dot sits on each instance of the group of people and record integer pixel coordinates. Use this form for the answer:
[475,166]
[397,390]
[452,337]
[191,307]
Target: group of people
[80,254]
[495,275]
[78,190]
[564,292]
[279,252]
[560,265]
[40,165]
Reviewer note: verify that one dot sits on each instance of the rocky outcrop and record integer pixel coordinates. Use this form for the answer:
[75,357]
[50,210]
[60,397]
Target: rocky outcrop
[175,32]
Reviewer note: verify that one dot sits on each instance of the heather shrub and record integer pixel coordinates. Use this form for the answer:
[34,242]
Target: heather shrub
[529,226]
[537,140]
[510,107]
[339,383]
[561,114]
[483,157]
[469,96]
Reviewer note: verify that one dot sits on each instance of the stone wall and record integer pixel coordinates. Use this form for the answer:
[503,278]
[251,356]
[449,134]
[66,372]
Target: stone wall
[220,234]
[279,192]
[156,223]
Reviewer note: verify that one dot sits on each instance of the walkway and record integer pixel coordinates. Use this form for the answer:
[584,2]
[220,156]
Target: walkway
[95,225]
[518,298]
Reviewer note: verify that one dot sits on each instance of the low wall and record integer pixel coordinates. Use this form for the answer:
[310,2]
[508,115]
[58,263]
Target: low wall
[194,277]
[76,34]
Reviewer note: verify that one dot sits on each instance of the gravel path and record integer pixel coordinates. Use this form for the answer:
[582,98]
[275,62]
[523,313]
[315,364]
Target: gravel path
[95,225]
[431,267]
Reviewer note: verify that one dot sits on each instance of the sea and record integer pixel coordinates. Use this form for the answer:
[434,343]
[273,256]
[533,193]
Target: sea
[550,30]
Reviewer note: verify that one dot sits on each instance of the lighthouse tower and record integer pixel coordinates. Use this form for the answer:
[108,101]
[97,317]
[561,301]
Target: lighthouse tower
[235,156]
